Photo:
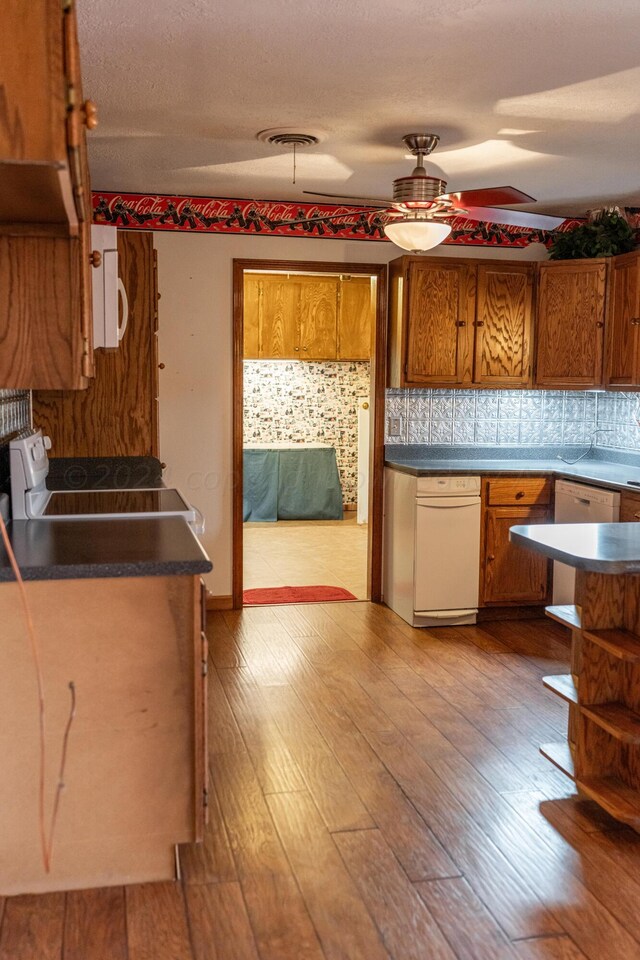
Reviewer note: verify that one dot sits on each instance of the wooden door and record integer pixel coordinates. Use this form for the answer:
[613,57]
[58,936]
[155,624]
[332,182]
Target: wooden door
[318,317]
[251,316]
[623,347]
[356,313]
[116,415]
[570,323]
[438,314]
[504,298]
[511,574]
[279,318]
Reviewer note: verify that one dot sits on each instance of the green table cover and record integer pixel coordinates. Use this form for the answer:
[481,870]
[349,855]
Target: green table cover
[291,484]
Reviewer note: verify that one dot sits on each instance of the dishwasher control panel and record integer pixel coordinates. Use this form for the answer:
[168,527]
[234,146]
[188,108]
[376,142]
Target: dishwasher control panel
[442,486]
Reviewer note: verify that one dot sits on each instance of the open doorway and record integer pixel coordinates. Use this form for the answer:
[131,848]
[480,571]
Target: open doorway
[309,377]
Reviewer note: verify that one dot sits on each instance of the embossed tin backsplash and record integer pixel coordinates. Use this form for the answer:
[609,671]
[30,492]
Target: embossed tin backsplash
[15,418]
[513,417]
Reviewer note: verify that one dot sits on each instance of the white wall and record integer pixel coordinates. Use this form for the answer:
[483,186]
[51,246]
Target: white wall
[196,346]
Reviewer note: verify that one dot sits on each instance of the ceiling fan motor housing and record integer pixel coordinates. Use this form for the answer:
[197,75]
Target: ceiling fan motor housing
[417,191]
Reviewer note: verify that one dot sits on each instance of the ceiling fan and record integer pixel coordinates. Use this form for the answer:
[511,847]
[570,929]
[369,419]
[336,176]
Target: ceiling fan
[416,217]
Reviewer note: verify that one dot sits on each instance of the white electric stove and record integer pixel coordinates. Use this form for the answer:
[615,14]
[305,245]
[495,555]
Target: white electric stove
[32,500]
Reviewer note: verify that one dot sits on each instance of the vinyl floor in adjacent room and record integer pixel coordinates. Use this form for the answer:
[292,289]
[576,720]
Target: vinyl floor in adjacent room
[295,553]
[377,793]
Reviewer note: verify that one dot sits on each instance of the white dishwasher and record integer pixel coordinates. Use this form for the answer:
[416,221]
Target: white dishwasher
[579,503]
[432,548]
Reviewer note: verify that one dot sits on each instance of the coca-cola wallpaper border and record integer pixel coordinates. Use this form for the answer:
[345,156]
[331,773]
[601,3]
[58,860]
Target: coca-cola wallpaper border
[133,211]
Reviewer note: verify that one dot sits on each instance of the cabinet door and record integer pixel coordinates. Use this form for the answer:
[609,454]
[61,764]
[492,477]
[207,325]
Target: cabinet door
[356,311]
[438,315]
[251,316]
[279,318]
[513,575]
[623,348]
[570,323]
[504,294]
[318,318]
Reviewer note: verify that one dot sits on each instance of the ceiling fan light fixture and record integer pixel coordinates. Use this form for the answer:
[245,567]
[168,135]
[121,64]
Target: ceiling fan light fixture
[417,234]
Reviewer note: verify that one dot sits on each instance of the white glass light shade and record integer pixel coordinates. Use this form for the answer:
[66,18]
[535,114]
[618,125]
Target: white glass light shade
[417,234]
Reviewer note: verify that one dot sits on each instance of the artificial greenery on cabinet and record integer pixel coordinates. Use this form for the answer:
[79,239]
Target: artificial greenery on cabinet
[606,235]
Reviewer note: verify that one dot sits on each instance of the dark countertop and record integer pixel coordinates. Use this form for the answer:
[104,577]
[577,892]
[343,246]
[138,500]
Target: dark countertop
[598,472]
[599,547]
[82,549]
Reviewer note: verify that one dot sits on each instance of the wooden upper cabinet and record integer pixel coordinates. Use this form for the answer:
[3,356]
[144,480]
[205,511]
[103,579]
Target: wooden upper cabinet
[623,341]
[570,323]
[318,317]
[437,316]
[279,329]
[503,323]
[45,201]
[460,322]
[356,313]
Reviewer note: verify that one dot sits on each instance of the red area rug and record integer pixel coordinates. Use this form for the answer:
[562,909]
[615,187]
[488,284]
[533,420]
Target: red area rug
[264,595]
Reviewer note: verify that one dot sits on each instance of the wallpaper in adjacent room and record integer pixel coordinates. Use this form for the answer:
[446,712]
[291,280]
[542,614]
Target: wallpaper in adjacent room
[15,417]
[297,401]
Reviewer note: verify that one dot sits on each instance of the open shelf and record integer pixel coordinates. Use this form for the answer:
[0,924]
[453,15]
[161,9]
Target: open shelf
[565,613]
[618,720]
[563,686]
[560,755]
[619,643]
[621,801]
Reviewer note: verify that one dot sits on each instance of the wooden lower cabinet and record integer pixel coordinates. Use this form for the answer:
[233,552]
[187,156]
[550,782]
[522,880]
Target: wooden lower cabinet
[136,770]
[509,574]
[629,507]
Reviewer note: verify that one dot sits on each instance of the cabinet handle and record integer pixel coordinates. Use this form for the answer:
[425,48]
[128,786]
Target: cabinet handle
[637,516]
[635,321]
[478,323]
[95,258]
[519,494]
[599,324]
[90,114]
[296,349]
[461,323]
[491,557]
[161,366]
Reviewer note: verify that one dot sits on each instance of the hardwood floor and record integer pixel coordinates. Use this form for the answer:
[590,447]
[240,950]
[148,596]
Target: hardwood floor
[377,795]
[296,553]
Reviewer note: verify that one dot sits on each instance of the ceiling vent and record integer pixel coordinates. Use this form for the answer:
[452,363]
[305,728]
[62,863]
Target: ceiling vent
[289,137]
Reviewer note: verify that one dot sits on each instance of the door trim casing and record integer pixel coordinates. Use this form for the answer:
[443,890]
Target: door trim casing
[378,384]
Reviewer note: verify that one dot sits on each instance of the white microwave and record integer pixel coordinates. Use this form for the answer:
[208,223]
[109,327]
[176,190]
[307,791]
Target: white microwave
[110,304]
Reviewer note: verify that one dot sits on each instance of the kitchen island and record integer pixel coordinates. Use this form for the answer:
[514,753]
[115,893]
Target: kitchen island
[602,752]
[117,608]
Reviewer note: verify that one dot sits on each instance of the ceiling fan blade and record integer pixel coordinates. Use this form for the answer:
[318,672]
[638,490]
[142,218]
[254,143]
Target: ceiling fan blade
[344,196]
[512,218]
[489,196]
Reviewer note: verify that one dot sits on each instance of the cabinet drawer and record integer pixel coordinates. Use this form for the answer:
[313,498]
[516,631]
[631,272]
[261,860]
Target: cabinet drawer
[520,492]
[629,508]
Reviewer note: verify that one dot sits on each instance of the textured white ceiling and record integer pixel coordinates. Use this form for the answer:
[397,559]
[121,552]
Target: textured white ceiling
[540,94]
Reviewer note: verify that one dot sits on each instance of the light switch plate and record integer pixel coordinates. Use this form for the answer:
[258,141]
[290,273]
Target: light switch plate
[394,426]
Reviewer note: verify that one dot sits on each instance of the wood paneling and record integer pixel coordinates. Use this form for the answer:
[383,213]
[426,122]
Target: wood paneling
[115,416]
[438,317]
[356,318]
[503,324]
[511,573]
[318,318]
[623,340]
[570,323]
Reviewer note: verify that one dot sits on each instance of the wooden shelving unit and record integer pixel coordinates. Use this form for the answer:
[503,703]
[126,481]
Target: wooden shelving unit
[602,752]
